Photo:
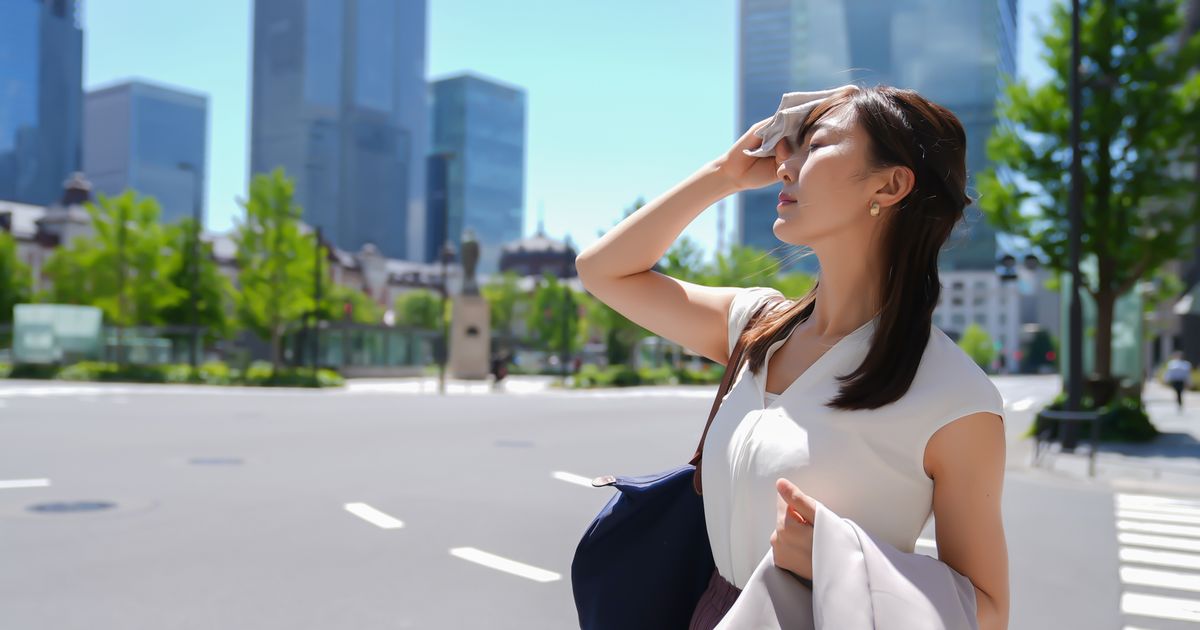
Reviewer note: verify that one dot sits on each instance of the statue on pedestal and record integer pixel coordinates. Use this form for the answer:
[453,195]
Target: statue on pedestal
[470,258]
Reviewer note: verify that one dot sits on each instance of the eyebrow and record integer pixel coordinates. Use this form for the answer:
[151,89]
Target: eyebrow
[817,126]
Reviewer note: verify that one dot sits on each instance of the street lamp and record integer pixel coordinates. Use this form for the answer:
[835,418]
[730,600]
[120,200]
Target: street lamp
[566,307]
[1073,412]
[447,255]
[316,311]
[194,260]
[439,193]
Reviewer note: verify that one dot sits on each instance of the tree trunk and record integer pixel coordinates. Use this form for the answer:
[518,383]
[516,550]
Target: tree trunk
[1105,302]
[1101,385]
[274,351]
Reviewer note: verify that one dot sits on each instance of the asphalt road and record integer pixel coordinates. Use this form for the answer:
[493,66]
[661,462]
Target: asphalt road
[374,508]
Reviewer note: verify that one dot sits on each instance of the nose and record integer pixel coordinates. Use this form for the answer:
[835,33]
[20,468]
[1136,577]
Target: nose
[783,151]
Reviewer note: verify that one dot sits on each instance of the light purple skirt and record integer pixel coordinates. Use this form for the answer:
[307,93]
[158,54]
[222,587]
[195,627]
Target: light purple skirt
[717,599]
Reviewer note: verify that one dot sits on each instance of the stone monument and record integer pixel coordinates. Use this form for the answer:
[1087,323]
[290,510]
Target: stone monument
[470,320]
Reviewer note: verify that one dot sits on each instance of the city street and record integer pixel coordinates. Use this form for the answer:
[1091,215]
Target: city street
[374,508]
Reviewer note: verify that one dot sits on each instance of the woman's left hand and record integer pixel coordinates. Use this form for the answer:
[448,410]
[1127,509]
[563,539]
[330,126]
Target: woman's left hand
[792,540]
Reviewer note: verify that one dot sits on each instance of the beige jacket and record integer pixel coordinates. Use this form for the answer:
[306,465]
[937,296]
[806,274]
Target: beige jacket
[859,583]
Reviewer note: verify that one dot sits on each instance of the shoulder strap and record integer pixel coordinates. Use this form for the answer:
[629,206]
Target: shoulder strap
[731,368]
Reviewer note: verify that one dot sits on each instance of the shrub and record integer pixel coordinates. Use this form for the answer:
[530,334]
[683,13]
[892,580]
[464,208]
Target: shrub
[711,376]
[1124,419]
[211,373]
[33,370]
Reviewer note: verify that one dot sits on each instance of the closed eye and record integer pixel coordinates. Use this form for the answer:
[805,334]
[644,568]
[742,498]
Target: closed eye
[814,146]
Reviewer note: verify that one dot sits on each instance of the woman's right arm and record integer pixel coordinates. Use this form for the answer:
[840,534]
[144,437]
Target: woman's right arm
[617,268]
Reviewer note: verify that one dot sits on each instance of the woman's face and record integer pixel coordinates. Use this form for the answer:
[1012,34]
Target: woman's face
[822,172]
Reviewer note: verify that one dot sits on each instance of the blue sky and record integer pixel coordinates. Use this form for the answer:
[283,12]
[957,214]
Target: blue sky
[625,97]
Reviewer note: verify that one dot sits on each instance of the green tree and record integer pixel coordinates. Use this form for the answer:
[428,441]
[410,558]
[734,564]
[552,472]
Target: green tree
[420,308]
[503,293]
[743,266]
[685,261]
[214,290]
[551,302]
[274,268]
[794,285]
[620,334]
[362,309]
[15,278]
[122,267]
[978,345]
[1140,120]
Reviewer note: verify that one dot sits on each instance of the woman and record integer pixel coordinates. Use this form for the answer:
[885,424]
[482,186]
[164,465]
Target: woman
[849,395]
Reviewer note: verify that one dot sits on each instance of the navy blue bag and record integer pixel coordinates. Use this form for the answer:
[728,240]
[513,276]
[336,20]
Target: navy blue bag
[645,560]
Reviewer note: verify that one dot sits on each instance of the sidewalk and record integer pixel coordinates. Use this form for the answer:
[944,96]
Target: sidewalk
[1169,463]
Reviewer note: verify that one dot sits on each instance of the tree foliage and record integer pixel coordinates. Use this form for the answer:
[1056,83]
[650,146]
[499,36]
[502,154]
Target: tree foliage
[1139,130]
[15,278]
[214,304]
[123,267]
[274,265]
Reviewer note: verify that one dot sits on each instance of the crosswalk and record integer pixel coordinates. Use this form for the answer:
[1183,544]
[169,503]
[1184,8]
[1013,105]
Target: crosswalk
[1159,547]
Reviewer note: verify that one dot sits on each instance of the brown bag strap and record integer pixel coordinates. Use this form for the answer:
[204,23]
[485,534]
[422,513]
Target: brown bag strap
[731,368]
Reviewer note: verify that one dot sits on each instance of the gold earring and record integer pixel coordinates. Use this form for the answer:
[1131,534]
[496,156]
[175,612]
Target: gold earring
[874,208]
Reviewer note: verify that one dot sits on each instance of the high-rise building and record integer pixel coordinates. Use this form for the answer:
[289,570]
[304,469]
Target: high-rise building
[340,102]
[478,164]
[954,52]
[41,91]
[149,138]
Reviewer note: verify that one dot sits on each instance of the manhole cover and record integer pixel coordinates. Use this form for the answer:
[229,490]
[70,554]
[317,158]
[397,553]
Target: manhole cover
[515,443]
[71,506]
[216,461]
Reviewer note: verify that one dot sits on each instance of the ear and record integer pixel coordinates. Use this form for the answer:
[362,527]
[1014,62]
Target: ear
[893,185]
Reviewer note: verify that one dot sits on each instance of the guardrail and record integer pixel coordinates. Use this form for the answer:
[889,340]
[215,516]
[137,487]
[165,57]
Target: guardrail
[1059,417]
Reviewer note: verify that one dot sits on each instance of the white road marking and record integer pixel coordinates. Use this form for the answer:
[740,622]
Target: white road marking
[1150,499]
[570,478]
[1160,607]
[24,483]
[1161,558]
[1023,404]
[1163,532]
[373,516]
[1162,542]
[513,567]
[1179,510]
[1161,579]
[1156,528]
[1143,515]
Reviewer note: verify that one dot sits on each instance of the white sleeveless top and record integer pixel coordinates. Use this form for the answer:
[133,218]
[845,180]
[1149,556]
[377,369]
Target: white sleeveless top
[864,465]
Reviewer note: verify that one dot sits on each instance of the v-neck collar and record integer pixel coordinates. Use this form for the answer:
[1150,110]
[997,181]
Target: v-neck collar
[761,378]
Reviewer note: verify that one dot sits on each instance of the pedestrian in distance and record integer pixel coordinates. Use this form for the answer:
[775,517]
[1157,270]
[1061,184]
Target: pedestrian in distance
[1178,376]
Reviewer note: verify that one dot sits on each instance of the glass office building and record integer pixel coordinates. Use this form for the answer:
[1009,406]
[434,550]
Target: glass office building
[41,92]
[339,100]
[151,139]
[955,52]
[478,166]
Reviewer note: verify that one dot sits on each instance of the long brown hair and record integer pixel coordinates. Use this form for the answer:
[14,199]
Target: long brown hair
[904,129]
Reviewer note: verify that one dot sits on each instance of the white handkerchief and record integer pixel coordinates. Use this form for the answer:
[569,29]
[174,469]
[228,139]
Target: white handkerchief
[794,107]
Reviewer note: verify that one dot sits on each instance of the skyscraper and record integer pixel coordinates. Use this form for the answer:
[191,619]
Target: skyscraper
[41,91]
[340,102]
[151,139]
[954,52]
[479,162]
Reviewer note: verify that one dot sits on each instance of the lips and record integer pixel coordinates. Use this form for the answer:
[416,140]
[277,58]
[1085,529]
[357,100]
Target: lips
[785,199]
